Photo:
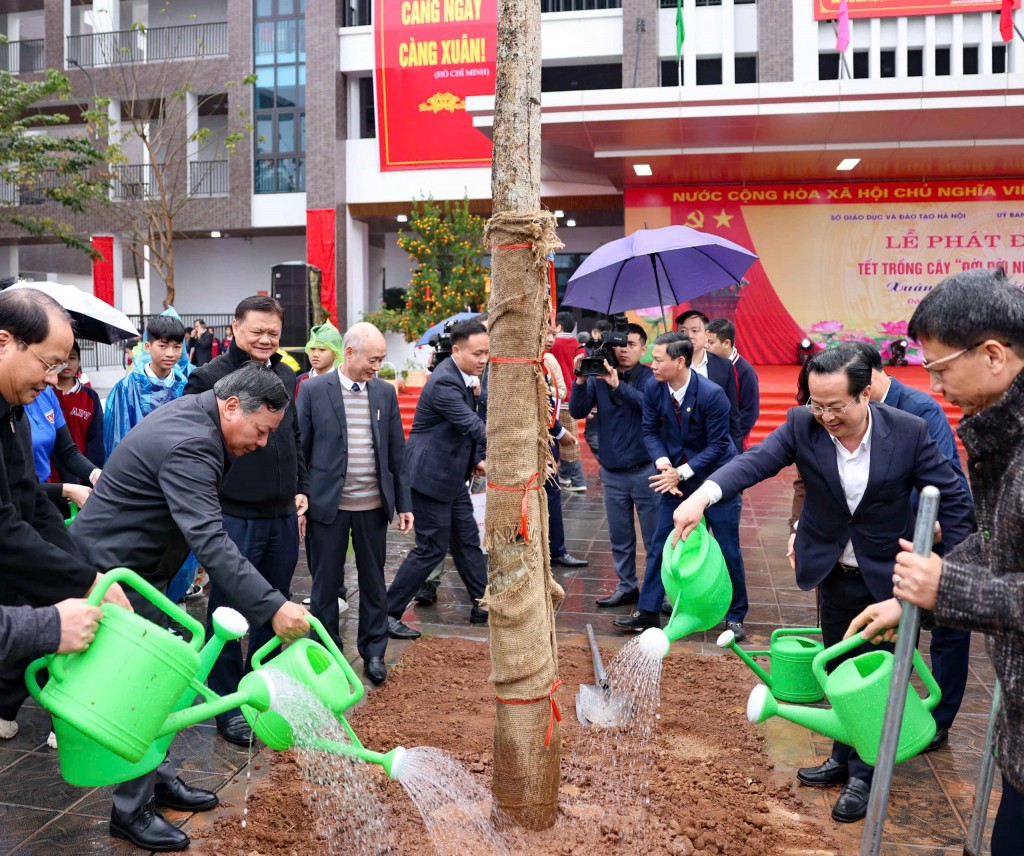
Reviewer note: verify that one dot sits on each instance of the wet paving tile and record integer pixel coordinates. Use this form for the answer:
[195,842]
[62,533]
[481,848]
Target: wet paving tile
[35,782]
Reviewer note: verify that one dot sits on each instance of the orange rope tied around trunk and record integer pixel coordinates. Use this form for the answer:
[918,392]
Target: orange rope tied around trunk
[556,714]
[513,247]
[515,361]
[530,485]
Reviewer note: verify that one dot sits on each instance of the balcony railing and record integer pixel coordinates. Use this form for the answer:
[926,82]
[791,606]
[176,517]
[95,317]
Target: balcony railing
[208,178]
[188,41]
[35,193]
[133,182]
[24,56]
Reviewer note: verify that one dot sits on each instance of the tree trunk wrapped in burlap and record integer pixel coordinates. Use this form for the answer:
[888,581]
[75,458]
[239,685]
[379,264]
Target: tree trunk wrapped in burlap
[521,593]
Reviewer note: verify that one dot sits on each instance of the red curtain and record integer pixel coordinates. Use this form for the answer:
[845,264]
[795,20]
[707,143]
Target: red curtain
[321,251]
[103,267]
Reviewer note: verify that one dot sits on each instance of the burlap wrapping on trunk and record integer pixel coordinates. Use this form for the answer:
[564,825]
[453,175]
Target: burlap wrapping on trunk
[521,593]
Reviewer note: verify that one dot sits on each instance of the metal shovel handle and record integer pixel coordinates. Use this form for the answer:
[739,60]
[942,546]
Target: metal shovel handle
[600,675]
[982,793]
[906,646]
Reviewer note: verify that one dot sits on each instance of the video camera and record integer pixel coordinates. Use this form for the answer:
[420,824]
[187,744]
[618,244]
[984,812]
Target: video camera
[442,345]
[601,350]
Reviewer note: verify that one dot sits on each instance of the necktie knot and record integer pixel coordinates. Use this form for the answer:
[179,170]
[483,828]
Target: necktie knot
[355,387]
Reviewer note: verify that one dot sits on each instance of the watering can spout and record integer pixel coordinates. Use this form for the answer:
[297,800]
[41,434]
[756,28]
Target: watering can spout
[762,705]
[254,690]
[728,640]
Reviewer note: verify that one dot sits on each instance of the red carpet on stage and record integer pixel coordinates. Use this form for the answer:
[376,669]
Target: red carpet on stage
[778,391]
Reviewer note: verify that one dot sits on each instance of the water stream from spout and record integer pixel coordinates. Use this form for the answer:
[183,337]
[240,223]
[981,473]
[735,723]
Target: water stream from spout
[455,807]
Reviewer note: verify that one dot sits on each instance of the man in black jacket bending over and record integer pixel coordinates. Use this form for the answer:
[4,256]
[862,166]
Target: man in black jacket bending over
[263,495]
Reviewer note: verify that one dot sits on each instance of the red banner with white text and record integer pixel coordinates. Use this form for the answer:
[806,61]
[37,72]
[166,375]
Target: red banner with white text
[844,260]
[431,55]
[828,10]
[103,267]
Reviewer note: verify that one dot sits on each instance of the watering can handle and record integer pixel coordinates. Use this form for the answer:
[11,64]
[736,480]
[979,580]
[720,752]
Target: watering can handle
[928,679]
[328,643]
[795,631]
[837,650]
[154,596]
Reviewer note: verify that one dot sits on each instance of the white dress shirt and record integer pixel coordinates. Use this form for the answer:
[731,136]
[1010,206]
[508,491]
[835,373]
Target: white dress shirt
[683,470]
[854,469]
[348,383]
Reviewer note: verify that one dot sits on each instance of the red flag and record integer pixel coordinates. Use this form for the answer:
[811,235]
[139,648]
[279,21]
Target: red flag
[843,31]
[321,252]
[1006,21]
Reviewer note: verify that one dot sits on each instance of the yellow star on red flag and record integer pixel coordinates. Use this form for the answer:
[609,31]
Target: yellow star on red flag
[723,220]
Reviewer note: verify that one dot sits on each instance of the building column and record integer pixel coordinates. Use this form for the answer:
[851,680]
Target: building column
[8,260]
[640,44]
[775,40]
[56,25]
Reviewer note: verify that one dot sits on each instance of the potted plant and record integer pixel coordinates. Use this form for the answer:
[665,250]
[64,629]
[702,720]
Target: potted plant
[415,375]
[386,373]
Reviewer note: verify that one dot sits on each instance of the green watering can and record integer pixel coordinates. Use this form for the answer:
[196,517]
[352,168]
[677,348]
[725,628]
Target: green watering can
[324,671]
[790,656]
[858,689]
[73,513]
[697,585]
[132,687]
[86,763]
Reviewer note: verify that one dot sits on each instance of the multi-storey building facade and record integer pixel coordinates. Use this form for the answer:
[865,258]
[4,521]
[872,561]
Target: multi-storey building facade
[765,98]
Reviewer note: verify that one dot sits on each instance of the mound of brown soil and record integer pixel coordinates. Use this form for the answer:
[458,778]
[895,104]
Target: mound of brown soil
[705,787]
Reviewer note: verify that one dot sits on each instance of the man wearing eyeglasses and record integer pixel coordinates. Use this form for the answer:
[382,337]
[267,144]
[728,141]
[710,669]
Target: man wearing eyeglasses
[971,329]
[860,461]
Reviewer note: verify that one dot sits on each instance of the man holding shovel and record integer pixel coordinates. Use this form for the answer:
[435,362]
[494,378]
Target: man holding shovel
[971,329]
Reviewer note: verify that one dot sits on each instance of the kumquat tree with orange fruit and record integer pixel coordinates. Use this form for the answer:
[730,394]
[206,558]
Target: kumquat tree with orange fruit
[445,243]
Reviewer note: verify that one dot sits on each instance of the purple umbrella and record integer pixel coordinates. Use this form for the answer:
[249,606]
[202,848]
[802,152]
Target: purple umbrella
[653,267]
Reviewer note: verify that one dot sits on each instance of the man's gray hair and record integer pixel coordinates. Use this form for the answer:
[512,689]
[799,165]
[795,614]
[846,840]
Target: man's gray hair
[359,334]
[255,386]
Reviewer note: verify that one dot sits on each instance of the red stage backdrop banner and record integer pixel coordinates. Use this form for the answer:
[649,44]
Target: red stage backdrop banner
[828,10]
[843,260]
[103,267]
[320,251]
[431,54]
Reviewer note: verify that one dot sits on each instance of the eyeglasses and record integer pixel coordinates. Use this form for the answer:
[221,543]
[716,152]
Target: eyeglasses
[929,365]
[54,369]
[818,410]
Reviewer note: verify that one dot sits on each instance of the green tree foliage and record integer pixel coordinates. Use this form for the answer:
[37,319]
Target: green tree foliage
[67,170]
[446,242]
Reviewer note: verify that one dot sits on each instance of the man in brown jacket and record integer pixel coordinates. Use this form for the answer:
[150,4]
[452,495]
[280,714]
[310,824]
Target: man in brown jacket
[971,329]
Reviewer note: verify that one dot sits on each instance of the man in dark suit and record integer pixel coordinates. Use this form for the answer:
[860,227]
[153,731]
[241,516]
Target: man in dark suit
[264,496]
[721,341]
[446,446]
[353,447]
[686,433]
[157,499]
[202,343]
[950,648]
[860,462]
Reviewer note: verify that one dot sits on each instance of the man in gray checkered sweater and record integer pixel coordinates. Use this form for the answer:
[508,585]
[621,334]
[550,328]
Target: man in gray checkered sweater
[971,329]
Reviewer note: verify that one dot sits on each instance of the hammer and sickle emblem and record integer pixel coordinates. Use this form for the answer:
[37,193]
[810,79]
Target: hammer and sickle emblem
[695,219]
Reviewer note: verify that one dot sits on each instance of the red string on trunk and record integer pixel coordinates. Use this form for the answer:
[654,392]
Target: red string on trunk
[556,714]
[530,485]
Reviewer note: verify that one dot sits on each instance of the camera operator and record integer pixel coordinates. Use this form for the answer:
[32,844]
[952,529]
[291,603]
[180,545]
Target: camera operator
[626,466]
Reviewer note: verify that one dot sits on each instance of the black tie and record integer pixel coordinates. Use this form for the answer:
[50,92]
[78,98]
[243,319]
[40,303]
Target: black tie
[355,387]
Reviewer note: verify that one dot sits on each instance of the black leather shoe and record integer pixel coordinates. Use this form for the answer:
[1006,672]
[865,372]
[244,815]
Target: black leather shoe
[639,621]
[427,595]
[181,797]
[829,773]
[235,730]
[619,598]
[737,628]
[477,615]
[567,560]
[397,630]
[150,830]
[852,804]
[376,670]
[940,739]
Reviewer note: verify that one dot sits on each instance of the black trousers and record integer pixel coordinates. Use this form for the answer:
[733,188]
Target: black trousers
[439,524]
[272,545]
[328,547]
[844,595]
